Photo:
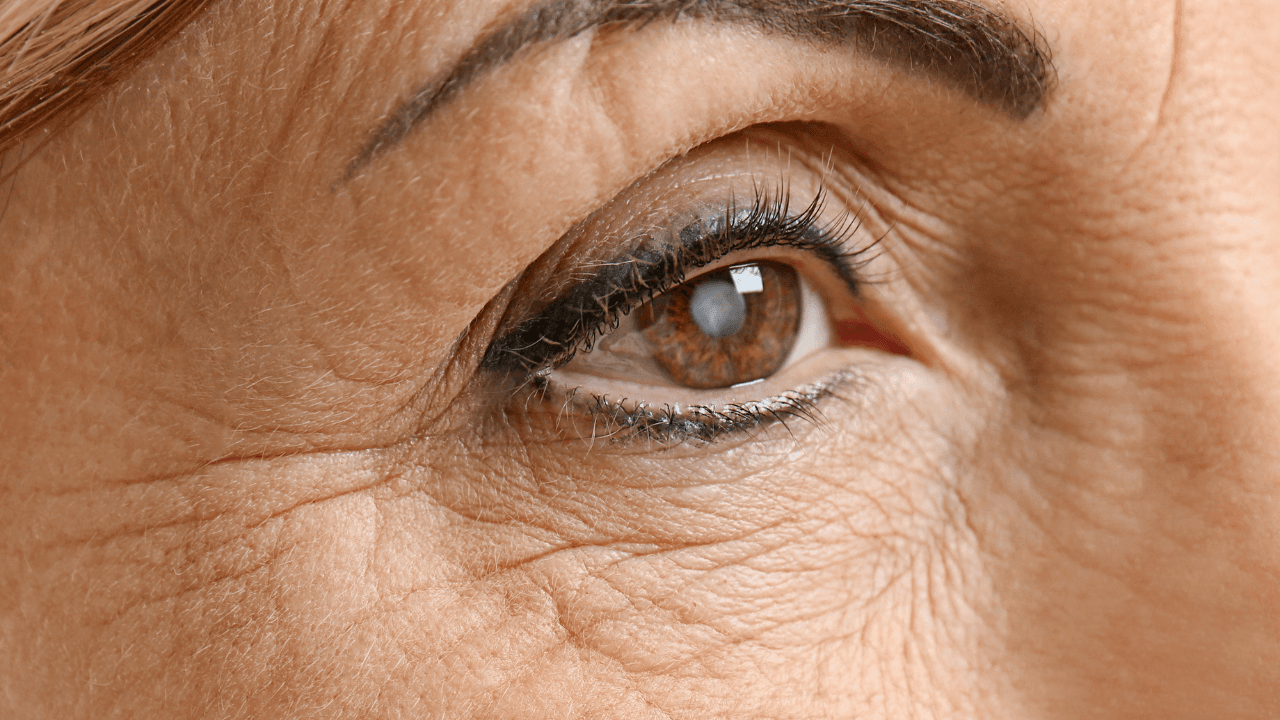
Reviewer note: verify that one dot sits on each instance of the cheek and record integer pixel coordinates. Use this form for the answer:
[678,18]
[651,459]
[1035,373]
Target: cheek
[512,580]
[832,574]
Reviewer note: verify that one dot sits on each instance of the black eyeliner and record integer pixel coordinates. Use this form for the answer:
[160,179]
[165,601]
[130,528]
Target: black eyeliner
[590,309]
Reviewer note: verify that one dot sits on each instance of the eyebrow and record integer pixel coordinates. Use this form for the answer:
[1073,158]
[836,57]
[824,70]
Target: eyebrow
[986,55]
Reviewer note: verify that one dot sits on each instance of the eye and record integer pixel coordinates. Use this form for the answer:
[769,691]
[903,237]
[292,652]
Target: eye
[716,326]
[722,328]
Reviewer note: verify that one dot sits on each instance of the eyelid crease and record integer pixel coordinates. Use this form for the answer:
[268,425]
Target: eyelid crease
[573,322]
[984,53]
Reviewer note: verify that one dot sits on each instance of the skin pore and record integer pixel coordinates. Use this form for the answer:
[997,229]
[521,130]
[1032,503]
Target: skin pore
[251,466]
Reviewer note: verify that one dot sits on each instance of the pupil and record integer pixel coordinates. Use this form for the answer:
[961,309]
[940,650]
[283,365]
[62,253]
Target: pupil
[717,308]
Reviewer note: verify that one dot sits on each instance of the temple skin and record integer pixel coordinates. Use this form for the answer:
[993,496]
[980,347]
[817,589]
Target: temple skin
[249,467]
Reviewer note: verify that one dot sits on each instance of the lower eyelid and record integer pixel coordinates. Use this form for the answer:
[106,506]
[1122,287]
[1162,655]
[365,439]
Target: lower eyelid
[572,413]
[808,370]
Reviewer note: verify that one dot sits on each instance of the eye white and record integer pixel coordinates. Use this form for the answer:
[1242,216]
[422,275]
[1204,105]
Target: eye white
[814,333]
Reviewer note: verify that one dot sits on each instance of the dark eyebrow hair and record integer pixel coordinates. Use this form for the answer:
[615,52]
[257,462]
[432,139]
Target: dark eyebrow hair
[986,55]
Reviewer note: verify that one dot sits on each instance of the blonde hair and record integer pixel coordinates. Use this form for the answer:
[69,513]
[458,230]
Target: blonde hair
[57,55]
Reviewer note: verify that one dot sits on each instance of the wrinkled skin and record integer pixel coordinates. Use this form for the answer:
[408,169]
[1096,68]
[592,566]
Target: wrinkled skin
[249,467]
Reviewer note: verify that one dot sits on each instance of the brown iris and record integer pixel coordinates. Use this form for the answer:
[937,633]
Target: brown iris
[725,327]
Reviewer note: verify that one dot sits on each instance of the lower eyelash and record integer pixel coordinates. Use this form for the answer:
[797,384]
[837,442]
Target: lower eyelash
[616,422]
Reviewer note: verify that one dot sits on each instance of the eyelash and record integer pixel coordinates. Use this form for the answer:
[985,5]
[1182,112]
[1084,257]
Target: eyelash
[591,309]
[700,424]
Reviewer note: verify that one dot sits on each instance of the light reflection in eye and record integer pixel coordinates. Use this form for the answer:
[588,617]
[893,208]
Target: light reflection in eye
[747,278]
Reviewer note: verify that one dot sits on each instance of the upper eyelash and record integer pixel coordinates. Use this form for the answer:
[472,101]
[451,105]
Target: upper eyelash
[576,320]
